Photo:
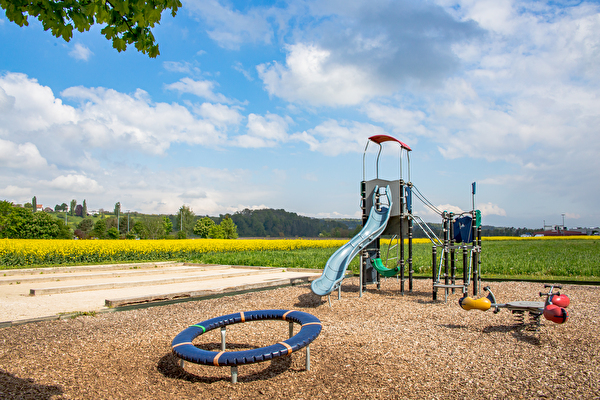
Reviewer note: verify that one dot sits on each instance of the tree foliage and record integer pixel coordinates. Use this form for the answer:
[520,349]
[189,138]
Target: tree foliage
[202,227]
[229,228]
[280,223]
[125,22]
[154,226]
[20,223]
[99,230]
[186,219]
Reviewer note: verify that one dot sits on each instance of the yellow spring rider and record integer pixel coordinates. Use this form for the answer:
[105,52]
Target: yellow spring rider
[553,308]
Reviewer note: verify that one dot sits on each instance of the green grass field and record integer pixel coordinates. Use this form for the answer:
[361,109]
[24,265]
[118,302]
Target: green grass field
[572,260]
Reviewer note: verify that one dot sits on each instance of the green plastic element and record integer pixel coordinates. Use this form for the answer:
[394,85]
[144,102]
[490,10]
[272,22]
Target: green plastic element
[478,218]
[383,271]
[200,326]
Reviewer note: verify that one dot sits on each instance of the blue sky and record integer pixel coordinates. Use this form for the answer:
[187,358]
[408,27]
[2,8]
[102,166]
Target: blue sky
[256,104]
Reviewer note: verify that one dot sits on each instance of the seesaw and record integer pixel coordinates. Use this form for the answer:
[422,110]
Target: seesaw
[553,308]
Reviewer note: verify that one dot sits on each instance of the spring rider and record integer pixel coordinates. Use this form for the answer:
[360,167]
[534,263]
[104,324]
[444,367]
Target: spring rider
[553,308]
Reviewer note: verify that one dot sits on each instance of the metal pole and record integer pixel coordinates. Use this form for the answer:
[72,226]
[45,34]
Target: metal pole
[223,331]
[308,358]
[363,254]
[410,254]
[434,270]
[452,252]
[479,246]
[445,255]
[291,329]
[234,374]
[475,254]
[402,206]
[466,261]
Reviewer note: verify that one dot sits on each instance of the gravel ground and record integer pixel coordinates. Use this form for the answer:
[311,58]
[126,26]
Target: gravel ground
[382,345]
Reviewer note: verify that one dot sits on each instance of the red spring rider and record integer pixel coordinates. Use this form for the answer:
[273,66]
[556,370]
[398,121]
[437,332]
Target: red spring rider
[553,309]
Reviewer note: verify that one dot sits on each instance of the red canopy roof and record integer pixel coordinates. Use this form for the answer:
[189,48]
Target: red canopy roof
[385,138]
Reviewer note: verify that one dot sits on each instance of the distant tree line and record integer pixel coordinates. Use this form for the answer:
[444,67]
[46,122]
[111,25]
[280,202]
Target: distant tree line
[280,223]
[21,222]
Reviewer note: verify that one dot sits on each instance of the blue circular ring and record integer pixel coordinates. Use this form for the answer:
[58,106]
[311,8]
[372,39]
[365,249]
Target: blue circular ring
[183,348]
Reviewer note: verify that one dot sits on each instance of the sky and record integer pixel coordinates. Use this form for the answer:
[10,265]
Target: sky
[270,104]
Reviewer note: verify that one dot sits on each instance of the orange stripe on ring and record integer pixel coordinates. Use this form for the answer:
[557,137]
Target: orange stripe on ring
[181,344]
[216,359]
[287,346]
[284,315]
[311,323]
[243,317]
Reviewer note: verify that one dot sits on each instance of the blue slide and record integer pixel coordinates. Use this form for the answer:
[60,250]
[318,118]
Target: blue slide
[336,266]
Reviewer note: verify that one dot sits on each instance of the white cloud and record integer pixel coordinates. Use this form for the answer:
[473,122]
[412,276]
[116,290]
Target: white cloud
[491,209]
[15,192]
[399,119]
[28,106]
[267,131]
[21,156]
[230,28]
[310,76]
[332,138]
[75,183]
[219,114]
[240,68]
[181,67]
[200,88]
[108,117]
[346,53]
[80,52]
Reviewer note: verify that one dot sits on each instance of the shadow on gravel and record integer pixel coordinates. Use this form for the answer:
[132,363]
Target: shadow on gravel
[522,333]
[454,326]
[168,365]
[12,387]
[310,300]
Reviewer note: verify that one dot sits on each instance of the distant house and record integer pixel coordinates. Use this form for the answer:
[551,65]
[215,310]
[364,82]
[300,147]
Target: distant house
[39,207]
[48,209]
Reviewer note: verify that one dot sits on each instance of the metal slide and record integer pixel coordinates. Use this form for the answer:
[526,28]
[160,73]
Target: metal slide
[336,266]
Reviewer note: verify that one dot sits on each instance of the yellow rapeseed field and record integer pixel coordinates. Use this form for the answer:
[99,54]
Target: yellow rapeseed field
[23,252]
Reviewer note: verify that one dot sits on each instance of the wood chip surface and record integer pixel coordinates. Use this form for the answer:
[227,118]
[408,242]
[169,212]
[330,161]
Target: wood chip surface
[382,346]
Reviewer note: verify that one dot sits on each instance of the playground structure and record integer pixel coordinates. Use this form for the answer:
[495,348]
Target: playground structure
[387,210]
[184,349]
[553,308]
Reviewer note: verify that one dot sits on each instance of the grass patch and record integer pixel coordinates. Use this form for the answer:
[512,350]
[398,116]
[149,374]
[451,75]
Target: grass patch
[575,260]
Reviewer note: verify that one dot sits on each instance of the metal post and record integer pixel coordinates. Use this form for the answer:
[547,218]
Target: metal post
[234,373]
[410,255]
[452,252]
[408,195]
[475,254]
[364,254]
[291,329]
[466,262]
[445,254]
[182,363]
[378,240]
[434,270]
[479,248]
[401,236]
[223,331]
[308,358]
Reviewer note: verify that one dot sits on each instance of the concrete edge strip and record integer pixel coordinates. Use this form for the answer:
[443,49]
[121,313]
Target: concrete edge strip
[160,281]
[193,296]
